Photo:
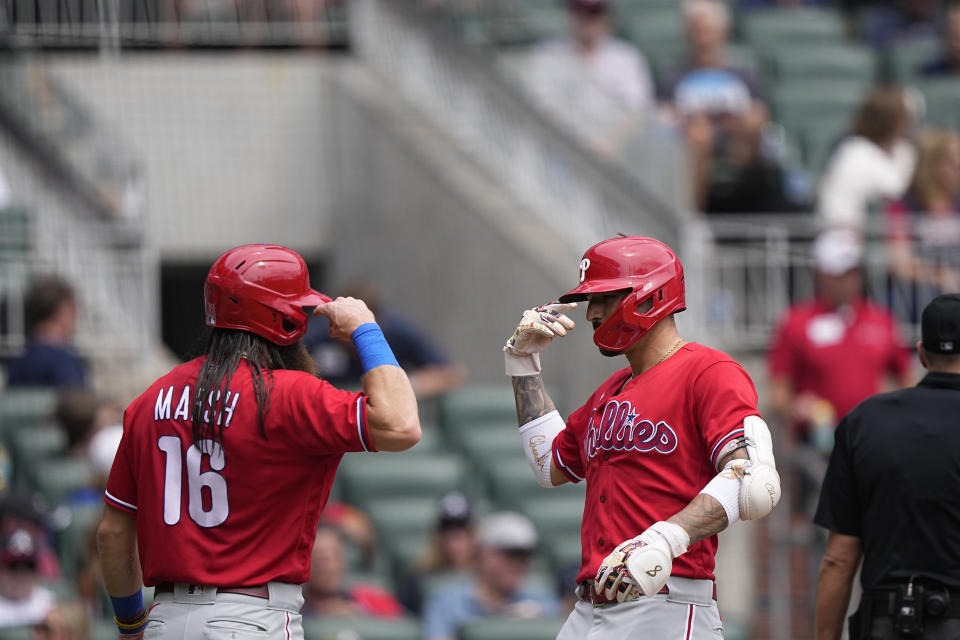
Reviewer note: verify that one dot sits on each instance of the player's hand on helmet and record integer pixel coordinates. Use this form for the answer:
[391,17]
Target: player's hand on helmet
[345,315]
[641,564]
[537,328]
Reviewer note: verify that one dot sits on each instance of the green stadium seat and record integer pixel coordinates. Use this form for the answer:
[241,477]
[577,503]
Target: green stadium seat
[34,446]
[488,440]
[410,515]
[904,59]
[26,633]
[794,61]
[511,482]
[770,29]
[503,628]
[361,628]
[73,540]
[24,405]
[942,99]
[58,477]
[563,550]
[800,102]
[477,404]
[366,477]
[656,32]
[555,515]
[431,441]
[819,140]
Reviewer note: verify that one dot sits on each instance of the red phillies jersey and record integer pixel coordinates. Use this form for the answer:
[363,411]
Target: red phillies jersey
[841,356]
[647,449]
[247,514]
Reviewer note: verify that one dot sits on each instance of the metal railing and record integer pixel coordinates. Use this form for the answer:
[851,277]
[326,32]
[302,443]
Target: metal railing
[543,164]
[80,215]
[113,24]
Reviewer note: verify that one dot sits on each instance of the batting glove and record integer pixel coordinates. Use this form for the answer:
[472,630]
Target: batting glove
[536,329]
[642,563]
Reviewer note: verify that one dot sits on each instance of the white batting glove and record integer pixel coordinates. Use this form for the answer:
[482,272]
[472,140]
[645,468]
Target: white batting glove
[642,563]
[536,329]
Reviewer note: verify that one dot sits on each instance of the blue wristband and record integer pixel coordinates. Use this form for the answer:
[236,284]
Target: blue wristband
[128,607]
[372,347]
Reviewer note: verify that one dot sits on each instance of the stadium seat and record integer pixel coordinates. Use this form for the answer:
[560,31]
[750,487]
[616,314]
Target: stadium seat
[26,406]
[563,550]
[511,482]
[903,60]
[942,100]
[555,514]
[410,515]
[361,628]
[73,540]
[800,102]
[766,30]
[794,61]
[26,633]
[503,628]
[489,440]
[365,477]
[819,139]
[32,446]
[477,404]
[658,33]
[56,478]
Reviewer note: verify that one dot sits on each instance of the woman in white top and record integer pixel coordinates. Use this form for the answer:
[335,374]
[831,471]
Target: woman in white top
[874,163]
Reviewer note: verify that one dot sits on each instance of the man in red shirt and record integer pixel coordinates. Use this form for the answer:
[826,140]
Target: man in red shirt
[672,448]
[835,350]
[227,460]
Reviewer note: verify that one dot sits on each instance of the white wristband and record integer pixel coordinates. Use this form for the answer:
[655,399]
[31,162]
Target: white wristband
[725,489]
[517,366]
[676,536]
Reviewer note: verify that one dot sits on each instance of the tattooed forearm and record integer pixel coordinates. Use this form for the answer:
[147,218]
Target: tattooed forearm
[531,397]
[702,518]
[738,453]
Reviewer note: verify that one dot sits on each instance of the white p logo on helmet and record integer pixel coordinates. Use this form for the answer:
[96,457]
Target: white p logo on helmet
[584,265]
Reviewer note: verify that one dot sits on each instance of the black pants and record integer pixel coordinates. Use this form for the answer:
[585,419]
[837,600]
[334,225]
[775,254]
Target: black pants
[882,628]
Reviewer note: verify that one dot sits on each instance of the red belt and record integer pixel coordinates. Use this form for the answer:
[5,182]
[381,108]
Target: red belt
[260,591]
[587,594]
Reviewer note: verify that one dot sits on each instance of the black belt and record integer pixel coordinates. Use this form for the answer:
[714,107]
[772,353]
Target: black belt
[259,591]
[883,602]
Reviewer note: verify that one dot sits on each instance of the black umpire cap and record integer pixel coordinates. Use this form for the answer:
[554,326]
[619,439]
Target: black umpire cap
[940,324]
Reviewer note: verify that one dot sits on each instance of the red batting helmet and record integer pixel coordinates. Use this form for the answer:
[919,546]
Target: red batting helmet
[645,267]
[261,288]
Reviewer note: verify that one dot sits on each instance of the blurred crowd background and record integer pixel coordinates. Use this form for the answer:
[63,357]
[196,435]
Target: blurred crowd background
[449,161]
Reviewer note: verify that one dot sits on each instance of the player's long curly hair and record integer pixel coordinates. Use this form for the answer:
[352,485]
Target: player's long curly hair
[224,349]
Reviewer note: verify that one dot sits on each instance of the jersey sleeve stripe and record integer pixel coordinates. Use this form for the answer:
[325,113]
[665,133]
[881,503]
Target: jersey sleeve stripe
[738,432]
[362,427]
[567,471]
[117,502]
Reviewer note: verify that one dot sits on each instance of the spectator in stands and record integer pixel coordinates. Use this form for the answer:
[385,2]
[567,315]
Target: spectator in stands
[746,5]
[67,620]
[901,21]
[873,164]
[507,543]
[50,318]
[924,252]
[451,551]
[330,593]
[431,372]
[597,84]
[82,414]
[948,63]
[355,527]
[723,119]
[831,352]
[20,509]
[22,600]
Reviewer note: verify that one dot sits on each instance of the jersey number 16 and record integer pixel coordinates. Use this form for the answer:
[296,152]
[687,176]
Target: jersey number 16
[196,481]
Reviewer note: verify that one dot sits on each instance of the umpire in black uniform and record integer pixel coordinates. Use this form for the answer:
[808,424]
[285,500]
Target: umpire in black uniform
[892,494]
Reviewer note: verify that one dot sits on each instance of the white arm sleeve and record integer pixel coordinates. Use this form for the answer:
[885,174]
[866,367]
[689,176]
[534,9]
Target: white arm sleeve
[536,438]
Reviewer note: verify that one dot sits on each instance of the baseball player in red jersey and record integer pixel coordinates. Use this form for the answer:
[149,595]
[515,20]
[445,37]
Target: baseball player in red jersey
[672,448]
[227,461]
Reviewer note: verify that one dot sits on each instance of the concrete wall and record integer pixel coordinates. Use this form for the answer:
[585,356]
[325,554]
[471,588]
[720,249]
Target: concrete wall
[231,145]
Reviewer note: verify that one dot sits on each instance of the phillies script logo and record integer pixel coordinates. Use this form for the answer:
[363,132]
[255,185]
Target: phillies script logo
[619,430]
